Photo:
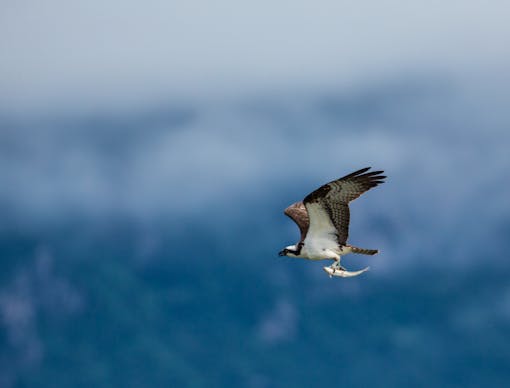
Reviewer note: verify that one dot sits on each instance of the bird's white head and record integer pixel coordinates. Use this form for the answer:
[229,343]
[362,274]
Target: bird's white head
[290,251]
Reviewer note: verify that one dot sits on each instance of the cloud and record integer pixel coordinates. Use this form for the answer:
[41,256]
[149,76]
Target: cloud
[34,292]
[230,151]
[86,55]
[279,324]
[205,165]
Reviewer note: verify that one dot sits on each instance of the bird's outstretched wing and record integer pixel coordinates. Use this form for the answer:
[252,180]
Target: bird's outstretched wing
[328,208]
[297,211]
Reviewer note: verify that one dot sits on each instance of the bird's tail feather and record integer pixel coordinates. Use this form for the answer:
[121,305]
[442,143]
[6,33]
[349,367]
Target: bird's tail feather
[363,251]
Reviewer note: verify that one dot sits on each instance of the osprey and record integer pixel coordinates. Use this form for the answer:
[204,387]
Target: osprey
[323,219]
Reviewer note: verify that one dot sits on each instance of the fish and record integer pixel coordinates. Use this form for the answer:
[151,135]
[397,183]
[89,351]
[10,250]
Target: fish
[342,272]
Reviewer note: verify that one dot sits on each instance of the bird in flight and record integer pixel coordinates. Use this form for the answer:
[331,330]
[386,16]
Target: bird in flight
[323,219]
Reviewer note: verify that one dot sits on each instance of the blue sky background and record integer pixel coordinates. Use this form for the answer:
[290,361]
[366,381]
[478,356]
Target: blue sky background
[147,152]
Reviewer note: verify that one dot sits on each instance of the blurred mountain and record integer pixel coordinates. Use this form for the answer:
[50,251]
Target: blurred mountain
[140,249]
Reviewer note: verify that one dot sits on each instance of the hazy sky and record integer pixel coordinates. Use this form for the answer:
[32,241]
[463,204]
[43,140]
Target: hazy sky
[133,51]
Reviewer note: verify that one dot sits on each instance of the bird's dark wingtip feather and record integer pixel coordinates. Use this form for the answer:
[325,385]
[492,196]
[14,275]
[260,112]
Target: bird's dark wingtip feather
[356,173]
[363,175]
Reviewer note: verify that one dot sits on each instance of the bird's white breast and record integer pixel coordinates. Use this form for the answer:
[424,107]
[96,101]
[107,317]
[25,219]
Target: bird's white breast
[321,241]
[320,249]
